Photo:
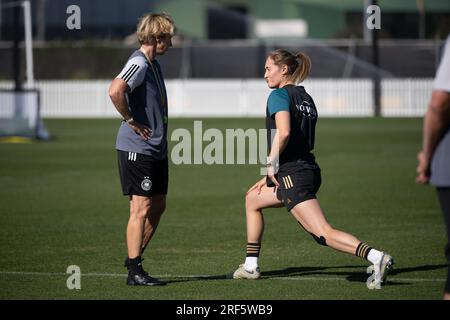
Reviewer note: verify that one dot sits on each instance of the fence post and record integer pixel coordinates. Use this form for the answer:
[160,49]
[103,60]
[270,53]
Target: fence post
[376,77]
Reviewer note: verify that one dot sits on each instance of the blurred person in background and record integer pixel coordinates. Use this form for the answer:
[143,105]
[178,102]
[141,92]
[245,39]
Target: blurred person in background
[434,158]
[139,95]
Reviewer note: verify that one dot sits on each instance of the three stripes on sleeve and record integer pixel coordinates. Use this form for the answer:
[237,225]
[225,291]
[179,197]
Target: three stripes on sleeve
[130,72]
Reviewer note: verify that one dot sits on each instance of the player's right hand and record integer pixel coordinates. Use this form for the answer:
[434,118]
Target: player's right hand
[144,131]
[261,183]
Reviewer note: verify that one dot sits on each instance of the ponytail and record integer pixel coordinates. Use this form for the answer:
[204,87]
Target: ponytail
[299,65]
[303,68]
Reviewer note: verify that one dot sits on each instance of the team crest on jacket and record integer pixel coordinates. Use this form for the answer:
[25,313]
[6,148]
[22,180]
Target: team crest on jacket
[146,184]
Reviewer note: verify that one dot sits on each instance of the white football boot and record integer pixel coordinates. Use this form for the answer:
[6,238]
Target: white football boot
[380,271]
[242,273]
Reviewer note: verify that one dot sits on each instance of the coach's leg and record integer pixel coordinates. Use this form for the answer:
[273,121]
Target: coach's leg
[151,223]
[139,210]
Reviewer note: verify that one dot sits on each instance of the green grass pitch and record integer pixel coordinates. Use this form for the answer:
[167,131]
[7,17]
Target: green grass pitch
[60,205]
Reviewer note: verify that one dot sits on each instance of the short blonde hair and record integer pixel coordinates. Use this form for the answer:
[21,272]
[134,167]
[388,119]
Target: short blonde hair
[153,25]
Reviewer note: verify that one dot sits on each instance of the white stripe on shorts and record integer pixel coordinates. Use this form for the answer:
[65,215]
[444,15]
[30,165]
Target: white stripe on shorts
[132,156]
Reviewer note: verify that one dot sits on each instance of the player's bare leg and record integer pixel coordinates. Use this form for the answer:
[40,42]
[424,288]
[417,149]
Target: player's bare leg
[311,217]
[255,201]
[254,204]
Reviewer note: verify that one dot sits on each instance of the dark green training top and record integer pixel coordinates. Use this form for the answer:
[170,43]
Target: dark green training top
[303,115]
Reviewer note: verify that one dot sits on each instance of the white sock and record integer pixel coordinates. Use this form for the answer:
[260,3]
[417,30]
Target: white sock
[251,263]
[374,256]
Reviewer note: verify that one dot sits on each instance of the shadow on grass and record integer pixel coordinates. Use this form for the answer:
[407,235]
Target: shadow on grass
[352,276]
[199,278]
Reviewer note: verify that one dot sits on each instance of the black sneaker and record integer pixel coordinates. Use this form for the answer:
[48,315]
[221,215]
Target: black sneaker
[143,279]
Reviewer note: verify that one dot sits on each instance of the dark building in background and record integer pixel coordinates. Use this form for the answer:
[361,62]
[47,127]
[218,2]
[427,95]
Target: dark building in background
[100,19]
[205,27]
[234,19]
[227,23]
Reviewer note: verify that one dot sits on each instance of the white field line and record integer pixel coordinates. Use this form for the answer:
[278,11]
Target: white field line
[203,276]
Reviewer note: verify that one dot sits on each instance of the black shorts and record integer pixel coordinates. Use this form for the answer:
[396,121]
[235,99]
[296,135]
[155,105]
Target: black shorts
[298,184]
[142,175]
